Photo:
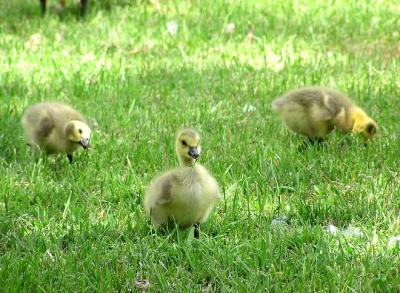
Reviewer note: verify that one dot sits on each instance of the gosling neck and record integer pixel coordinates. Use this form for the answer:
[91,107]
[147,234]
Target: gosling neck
[186,162]
[358,116]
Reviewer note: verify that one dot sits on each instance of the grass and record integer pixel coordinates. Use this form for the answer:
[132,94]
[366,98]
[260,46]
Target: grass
[81,227]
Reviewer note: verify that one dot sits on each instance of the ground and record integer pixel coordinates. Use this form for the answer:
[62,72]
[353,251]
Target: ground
[141,70]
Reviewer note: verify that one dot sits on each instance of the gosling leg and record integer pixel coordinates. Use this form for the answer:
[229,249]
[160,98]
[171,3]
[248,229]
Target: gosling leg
[43,6]
[84,5]
[196,231]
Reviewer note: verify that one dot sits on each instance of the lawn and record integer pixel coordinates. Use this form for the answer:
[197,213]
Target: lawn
[140,70]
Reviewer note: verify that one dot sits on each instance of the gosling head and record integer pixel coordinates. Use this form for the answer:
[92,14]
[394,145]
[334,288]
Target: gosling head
[188,146]
[79,132]
[367,128]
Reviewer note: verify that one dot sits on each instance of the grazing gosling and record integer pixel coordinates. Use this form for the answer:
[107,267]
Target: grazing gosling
[186,194]
[83,8]
[55,128]
[315,111]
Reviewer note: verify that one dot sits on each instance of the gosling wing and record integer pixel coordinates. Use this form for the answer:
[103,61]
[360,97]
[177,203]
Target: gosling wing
[46,126]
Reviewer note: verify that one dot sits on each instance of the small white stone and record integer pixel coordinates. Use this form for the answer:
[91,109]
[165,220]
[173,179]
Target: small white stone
[172,28]
[230,28]
[332,229]
[394,241]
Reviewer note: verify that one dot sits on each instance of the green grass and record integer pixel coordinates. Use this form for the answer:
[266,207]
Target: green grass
[81,227]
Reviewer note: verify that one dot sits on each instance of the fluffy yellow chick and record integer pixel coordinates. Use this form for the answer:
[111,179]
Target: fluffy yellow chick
[315,111]
[55,128]
[186,194]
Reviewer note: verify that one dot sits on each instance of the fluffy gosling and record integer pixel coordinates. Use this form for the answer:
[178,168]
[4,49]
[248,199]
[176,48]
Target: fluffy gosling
[186,194]
[315,111]
[55,128]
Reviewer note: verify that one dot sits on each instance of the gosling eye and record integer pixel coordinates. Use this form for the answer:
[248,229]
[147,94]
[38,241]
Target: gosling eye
[184,143]
[80,131]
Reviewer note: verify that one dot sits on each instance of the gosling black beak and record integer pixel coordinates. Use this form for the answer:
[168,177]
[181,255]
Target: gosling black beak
[84,142]
[194,153]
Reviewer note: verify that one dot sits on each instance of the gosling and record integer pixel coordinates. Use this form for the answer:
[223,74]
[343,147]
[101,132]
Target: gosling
[315,111]
[83,8]
[55,128]
[186,194]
